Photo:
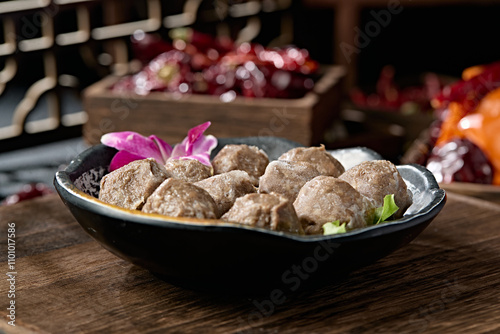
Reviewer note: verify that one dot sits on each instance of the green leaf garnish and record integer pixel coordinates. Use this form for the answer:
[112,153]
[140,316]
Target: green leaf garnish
[381,214]
[387,210]
[333,228]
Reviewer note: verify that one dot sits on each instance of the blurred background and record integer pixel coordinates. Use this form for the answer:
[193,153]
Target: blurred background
[51,51]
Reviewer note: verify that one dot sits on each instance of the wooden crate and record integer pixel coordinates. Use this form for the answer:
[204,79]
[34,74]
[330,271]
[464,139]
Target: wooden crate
[169,116]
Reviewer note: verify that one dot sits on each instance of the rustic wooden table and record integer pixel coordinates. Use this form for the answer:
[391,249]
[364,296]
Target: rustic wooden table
[446,281]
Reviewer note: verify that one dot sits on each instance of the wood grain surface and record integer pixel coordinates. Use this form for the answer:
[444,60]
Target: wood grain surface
[445,281]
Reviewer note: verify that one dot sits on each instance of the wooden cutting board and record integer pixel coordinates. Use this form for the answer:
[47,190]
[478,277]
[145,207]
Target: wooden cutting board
[445,281]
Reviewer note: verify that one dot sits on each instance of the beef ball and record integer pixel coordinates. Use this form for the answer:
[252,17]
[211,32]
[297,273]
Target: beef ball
[225,188]
[131,185]
[178,198]
[286,177]
[378,178]
[189,170]
[251,159]
[324,162]
[327,199]
[271,211]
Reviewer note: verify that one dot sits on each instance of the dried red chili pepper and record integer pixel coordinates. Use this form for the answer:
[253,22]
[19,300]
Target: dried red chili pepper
[469,93]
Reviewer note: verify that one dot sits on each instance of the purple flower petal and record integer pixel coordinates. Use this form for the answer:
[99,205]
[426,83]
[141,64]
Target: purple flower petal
[133,146]
[196,145]
[165,148]
[204,144]
[121,159]
[203,158]
[197,131]
[193,135]
[179,151]
[134,143]
[200,150]
[203,147]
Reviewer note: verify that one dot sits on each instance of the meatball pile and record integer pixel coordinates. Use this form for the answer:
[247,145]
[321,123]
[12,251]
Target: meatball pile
[298,193]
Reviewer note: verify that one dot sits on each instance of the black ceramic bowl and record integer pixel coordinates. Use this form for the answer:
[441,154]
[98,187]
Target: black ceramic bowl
[213,255]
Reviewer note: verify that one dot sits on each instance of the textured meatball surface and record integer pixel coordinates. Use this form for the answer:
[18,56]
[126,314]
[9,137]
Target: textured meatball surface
[286,177]
[378,178]
[131,185]
[190,170]
[324,162]
[326,199]
[178,198]
[250,159]
[225,188]
[270,211]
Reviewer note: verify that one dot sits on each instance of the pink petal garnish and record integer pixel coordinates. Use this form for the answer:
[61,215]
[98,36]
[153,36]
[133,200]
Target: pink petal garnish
[121,159]
[133,146]
[179,151]
[185,148]
[203,158]
[165,148]
[196,145]
[202,149]
[194,134]
[204,144]
[133,143]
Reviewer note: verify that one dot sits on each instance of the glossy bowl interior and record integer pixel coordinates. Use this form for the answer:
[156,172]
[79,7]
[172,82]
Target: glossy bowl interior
[216,255]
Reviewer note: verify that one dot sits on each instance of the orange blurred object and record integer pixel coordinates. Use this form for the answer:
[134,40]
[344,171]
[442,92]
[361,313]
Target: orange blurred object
[482,127]
[473,113]
[449,127]
[472,71]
